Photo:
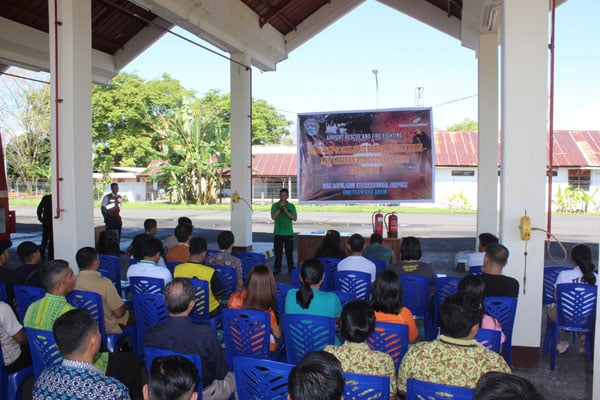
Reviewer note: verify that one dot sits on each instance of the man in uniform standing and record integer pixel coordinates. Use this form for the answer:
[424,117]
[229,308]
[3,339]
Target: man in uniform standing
[111,209]
[283,213]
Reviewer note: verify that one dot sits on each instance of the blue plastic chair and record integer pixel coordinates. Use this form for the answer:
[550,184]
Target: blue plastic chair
[295,277]
[442,288]
[247,333]
[210,252]
[282,289]
[379,264]
[171,266]
[250,259]
[360,386]
[3,294]
[344,297]
[475,270]
[550,275]
[390,338]
[25,295]
[330,268]
[110,267]
[150,353]
[575,312]
[489,338]
[44,351]
[201,311]
[228,278]
[10,384]
[92,302]
[150,310]
[418,390]
[504,310]
[261,379]
[357,283]
[142,284]
[304,333]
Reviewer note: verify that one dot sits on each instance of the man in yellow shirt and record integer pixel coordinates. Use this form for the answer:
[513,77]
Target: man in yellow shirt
[195,269]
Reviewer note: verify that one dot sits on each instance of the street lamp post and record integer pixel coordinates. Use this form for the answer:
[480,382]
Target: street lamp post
[375,72]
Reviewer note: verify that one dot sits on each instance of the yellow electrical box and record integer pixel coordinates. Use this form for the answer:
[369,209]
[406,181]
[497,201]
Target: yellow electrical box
[525,227]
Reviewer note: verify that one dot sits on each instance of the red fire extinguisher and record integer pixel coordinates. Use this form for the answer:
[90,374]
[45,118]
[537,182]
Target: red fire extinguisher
[377,221]
[391,224]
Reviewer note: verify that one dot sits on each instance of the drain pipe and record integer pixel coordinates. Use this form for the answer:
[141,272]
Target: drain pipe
[57,100]
[551,123]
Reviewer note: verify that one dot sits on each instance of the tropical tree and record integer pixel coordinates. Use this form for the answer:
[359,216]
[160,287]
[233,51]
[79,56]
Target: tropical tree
[467,125]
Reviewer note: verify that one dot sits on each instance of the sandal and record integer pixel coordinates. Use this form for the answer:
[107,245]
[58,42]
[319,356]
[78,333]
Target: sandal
[562,346]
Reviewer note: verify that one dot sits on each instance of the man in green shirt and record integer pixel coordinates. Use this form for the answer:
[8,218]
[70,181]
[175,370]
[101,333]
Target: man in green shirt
[283,213]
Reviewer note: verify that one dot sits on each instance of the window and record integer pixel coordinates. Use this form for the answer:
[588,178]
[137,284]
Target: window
[462,173]
[580,178]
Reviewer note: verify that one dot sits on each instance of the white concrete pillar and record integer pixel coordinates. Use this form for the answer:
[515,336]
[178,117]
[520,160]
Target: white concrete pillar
[523,173]
[71,123]
[487,137]
[241,148]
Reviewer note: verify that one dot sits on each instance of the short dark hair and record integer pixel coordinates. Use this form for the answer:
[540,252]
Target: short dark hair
[356,242]
[150,223]
[184,220]
[386,292]
[357,321]
[183,232]
[72,330]
[51,273]
[497,254]
[225,239]
[85,257]
[376,238]
[410,248]
[318,376]
[458,314]
[151,246]
[284,190]
[112,185]
[486,239]
[502,386]
[197,245]
[178,294]
[172,378]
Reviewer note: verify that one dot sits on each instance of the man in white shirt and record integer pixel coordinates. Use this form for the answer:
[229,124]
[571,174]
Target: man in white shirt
[355,261]
[148,267]
[13,340]
[476,259]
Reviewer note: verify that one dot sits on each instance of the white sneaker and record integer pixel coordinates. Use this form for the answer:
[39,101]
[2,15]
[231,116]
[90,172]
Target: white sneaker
[562,346]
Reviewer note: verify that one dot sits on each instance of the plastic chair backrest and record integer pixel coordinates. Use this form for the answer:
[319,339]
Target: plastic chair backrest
[475,270]
[93,303]
[282,289]
[261,379]
[250,259]
[330,268]
[150,353]
[357,283]
[550,275]
[171,266]
[415,294]
[344,297]
[360,386]
[111,268]
[150,310]
[576,306]
[380,265]
[295,277]
[200,312]
[504,310]
[304,333]
[10,384]
[418,390]
[143,284]
[44,351]
[210,252]
[442,288]
[3,295]
[228,278]
[489,338]
[247,333]
[25,295]
[390,338]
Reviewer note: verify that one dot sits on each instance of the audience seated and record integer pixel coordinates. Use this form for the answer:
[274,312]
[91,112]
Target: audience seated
[386,295]
[13,340]
[476,259]
[28,273]
[496,284]
[171,240]
[195,269]
[260,295]
[454,358]
[7,274]
[357,323]
[318,376]
[179,334]
[377,251]
[503,386]
[330,246]
[148,265]
[116,313]
[226,258]
[181,251]
[355,261]
[473,285]
[78,339]
[171,378]
[410,254]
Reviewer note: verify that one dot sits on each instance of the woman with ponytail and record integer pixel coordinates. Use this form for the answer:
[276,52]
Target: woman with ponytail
[309,299]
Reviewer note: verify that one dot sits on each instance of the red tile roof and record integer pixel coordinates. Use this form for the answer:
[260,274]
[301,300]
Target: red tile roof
[274,164]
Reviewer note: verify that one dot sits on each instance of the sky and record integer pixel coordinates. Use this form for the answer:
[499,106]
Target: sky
[333,71]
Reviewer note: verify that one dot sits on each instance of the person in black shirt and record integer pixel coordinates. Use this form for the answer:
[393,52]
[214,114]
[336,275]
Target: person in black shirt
[496,284]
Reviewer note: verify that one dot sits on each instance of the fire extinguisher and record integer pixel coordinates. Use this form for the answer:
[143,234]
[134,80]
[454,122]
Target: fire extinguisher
[377,221]
[391,224]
